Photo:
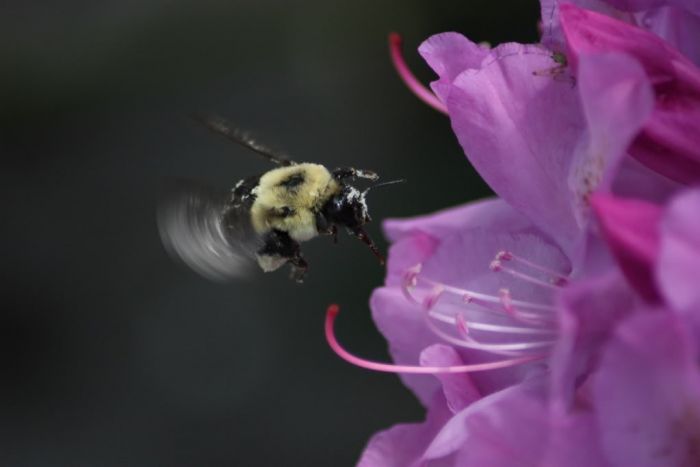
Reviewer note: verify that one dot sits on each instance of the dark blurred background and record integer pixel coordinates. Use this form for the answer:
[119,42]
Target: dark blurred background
[111,354]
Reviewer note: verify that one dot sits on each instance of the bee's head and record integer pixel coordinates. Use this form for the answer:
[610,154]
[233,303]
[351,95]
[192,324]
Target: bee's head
[348,208]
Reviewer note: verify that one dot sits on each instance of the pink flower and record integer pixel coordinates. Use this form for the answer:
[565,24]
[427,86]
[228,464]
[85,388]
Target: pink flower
[532,333]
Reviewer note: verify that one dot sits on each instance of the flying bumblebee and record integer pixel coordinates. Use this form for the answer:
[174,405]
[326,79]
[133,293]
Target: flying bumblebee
[263,218]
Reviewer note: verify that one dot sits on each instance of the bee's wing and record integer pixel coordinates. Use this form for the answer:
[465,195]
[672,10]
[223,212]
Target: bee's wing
[198,225]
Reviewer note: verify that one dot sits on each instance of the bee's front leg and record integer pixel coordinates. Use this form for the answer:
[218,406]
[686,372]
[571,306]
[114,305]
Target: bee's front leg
[343,173]
[324,227]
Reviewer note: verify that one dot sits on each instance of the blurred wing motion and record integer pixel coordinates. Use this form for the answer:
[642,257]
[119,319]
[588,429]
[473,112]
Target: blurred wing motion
[198,225]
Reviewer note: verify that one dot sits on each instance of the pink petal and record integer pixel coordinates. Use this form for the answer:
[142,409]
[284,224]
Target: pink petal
[504,429]
[590,310]
[516,128]
[457,247]
[449,54]
[640,5]
[543,145]
[647,394]
[670,142]
[403,445]
[402,324]
[631,230]
[553,37]
[679,259]
[492,212]
[458,388]
[677,26]
[513,428]
[617,100]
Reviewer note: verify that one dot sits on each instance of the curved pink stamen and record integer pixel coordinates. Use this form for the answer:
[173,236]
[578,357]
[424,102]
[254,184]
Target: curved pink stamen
[407,77]
[333,311]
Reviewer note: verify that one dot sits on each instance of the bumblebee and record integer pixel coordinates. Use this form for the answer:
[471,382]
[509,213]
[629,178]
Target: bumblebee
[264,218]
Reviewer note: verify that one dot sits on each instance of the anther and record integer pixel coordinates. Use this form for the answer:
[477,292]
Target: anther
[504,256]
[506,300]
[433,297]
[509,256]
[461,325]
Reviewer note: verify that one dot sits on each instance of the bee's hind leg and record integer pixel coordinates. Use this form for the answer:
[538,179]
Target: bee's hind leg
[299,268]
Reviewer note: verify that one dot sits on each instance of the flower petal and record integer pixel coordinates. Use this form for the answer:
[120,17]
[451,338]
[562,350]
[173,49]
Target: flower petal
[415,239]
[670,142]
[457,247]
[516,129]
[679,259]
[635,180]
[677,26]
[641,5]
[402,324]
[513,428]
[590,310]
[449,54]
[631,230]
[533,141]
[503,429]
[458,388]
[403,445]
[647,394]
[617,99]
[552,35]
[493,213]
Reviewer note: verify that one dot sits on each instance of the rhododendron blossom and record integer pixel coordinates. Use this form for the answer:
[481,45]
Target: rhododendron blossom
[558,325]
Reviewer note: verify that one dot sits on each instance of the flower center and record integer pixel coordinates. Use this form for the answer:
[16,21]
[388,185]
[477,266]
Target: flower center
[512,330]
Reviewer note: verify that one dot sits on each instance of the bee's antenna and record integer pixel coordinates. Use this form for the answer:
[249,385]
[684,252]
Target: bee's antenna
[390,182]
[232,133]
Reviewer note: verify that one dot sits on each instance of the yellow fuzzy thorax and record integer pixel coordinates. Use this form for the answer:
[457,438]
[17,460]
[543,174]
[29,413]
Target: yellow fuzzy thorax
[305,199]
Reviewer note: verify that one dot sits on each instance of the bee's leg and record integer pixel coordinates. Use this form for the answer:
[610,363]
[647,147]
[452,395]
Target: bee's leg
[343,173]
[325,227]
[299,268]
[362,235]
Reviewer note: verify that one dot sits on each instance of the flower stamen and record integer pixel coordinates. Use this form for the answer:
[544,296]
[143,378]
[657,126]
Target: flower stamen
[510,348]
[497,266]
[555,277]
[494,322]
[412,277]
[408,78]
